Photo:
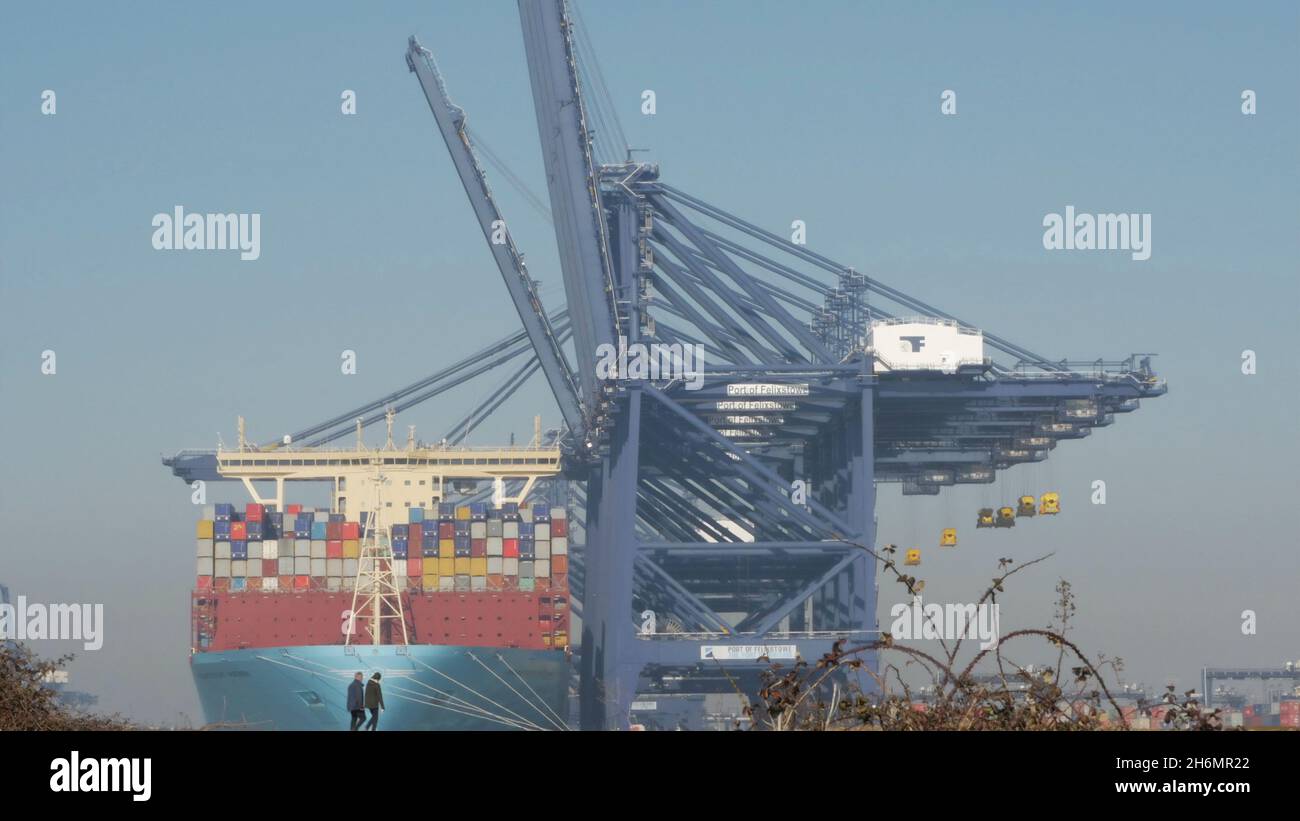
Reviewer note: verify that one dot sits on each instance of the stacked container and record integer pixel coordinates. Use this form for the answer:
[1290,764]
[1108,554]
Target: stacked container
[462,549]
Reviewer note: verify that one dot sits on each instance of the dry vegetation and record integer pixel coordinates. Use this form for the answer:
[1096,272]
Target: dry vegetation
[25,704]
[1070,694]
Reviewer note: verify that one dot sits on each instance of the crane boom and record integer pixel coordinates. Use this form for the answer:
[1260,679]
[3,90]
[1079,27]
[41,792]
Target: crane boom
[523,291]
[580,230]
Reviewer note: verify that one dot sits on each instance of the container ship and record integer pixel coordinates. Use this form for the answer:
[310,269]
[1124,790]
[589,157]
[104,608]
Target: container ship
[463,608]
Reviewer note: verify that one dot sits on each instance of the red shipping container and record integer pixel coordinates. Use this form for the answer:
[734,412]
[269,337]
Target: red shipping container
[446,530]
[496,581]
[301,582]
[334,530]
[559,565]
[204,583]
[221,584]
[351,530]
[286,583]
[415,567]
[510,548]
[269,567]
[334,549]
[293,510]
[559,527]
[238,531]
[253,512]
[415,542]
[1292,720]
[478,547]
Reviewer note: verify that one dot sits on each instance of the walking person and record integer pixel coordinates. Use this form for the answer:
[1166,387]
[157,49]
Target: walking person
[356,702]
[374,701]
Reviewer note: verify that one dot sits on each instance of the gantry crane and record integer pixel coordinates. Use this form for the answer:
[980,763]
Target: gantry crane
[699,552]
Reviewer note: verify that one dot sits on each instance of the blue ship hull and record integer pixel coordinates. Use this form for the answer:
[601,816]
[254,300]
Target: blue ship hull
[426,687]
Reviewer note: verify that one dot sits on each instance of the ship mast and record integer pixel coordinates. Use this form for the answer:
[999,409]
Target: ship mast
[375,590]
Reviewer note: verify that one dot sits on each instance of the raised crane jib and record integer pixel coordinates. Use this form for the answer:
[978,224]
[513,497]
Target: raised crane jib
[571,178]
[523,291]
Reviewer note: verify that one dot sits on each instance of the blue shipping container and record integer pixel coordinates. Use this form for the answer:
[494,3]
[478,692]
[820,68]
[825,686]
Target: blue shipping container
[318,530]
[415,514]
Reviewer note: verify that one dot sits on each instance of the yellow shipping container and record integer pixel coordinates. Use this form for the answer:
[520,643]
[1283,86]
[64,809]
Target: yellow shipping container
[462,511]
[351,549]
[478,567]
[430,582]
[446,548]
[446,567]
[204,530]
[462,566]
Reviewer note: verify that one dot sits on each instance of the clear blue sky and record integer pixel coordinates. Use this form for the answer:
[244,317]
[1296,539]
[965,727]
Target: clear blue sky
[826,112]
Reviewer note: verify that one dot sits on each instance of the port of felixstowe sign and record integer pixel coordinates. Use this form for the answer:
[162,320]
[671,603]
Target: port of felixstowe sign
[748,652]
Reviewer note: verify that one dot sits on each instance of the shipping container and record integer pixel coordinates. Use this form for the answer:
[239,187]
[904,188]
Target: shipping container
[204,548]
[205,529]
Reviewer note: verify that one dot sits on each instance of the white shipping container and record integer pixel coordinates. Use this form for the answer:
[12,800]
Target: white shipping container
[255,551]
[209,513]
[221,568]
[286,565]
[318,549]
[510,530]
[494,546]
[317,567]
[542,532]
[270,583]
[205,566]
[557,513]
[349,582]
[221,550]
[399,568]
[478,530]
[924,344]
[238,568]
[254,568]
[301,566]
[301,548]
[542,550]
[560,546]
[478,583]
[334,583]
[204,549]
[510,567]
[271,549]
[334,567]
[446,584]
[495,564]
[542,568]
[350,567]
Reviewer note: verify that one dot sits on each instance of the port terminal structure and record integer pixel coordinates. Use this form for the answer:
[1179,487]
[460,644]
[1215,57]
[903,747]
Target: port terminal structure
[727,516]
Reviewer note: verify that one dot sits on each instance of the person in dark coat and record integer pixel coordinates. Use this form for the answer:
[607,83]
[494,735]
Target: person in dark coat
[374,701]
[356,702]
